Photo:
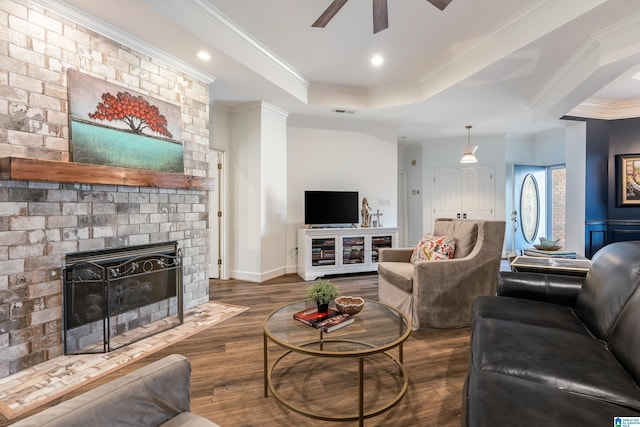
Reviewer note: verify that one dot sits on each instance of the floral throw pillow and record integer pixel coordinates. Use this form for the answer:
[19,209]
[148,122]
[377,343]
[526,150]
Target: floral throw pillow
[434,248]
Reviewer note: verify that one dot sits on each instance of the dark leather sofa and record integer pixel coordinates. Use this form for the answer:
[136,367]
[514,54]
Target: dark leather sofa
[553,350]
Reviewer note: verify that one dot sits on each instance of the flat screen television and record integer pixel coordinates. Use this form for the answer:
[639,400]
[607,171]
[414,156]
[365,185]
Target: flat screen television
[331,207]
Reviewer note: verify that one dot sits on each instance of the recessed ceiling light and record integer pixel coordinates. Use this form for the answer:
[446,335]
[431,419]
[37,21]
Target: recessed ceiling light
[636,76]
[204,55]
[377,60]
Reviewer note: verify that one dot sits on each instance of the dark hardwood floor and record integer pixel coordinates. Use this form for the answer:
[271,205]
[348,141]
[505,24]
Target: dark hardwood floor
[227,361]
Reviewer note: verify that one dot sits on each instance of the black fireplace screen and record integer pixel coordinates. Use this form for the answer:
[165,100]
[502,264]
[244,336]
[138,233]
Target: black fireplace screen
[115,297]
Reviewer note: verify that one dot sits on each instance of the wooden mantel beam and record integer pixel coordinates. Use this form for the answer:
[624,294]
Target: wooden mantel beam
[17,168]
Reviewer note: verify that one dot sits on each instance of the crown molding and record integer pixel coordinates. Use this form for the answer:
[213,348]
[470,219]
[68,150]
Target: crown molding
[582,63]
[607,110]
[225,23]
[101,27]
[620,40]
[260,106]
[522,28]
[529,24]
[612,45]
[207,23]
[275,110]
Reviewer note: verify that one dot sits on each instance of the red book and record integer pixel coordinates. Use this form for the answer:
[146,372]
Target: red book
[329,321]
[310,316]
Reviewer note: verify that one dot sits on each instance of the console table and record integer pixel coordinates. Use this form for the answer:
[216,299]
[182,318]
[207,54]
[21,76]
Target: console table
[323,251]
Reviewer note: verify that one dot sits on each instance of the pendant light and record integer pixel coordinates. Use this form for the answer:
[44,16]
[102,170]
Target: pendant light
[469,155]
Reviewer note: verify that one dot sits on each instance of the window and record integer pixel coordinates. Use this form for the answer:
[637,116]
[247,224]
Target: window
[557,201]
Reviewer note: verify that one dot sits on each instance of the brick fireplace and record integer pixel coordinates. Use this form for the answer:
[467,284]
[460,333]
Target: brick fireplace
[47,221]
[43,219]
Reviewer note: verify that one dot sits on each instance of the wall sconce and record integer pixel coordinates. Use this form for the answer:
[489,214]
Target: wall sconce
[469,155]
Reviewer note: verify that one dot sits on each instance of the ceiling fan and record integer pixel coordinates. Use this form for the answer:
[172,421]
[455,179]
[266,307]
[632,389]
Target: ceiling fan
[380,13]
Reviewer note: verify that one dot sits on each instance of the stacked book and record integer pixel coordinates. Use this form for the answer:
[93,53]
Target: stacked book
[326,322]
[549,254]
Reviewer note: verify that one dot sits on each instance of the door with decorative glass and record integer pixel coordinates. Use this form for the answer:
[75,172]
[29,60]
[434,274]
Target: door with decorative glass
[528,217]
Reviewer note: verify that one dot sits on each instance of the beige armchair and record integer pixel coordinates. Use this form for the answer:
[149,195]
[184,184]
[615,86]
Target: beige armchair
[438,294]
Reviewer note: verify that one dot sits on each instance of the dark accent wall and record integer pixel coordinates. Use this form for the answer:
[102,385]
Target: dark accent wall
[624,139]
[605,221]
[597,170]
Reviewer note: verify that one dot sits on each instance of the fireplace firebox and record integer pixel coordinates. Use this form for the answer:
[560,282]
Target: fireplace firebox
[115,297]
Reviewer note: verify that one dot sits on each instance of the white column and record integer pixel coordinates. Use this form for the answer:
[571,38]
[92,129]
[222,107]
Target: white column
[258,192]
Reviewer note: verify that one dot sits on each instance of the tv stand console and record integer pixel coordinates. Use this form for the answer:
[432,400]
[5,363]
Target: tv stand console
[324,251]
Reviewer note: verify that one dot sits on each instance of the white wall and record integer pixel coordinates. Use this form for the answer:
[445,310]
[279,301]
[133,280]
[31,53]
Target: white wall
[576,155]
[219,126]
[273,161]
[521,150]
[245,249]
[550,147]
[340,160]
[257,192]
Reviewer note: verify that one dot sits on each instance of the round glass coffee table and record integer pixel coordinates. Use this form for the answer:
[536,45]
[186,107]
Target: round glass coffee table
[377,329]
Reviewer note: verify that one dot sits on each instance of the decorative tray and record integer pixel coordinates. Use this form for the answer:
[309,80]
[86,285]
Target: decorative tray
[547,248]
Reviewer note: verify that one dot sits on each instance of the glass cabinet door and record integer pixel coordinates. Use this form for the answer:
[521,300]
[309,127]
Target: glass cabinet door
[323,251]
[353,250]
[378,242]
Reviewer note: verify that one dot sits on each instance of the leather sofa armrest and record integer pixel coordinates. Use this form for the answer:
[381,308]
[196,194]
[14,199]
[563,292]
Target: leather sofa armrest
[556,289]
[395,254]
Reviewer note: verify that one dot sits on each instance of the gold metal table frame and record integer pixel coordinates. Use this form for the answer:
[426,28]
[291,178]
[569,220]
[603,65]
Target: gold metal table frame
[316,347]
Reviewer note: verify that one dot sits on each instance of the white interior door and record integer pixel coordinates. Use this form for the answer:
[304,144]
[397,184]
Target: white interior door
[446,193]
[463,193]
[216,216]
[477,193]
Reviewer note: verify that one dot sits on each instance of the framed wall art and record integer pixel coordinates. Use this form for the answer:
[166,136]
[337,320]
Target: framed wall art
[112,125]
[628,179]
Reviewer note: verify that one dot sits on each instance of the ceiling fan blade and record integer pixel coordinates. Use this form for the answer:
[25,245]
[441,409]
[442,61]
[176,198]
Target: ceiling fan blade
[329,13]
[380,15]
[440,4]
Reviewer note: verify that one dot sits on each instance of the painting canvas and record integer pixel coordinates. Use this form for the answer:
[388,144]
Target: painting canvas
[115,126]
[628,179]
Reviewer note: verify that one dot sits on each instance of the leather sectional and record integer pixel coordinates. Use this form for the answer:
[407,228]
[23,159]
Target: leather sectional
[553,350]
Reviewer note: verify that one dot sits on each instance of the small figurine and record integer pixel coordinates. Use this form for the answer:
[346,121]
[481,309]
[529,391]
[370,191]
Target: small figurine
[365,212]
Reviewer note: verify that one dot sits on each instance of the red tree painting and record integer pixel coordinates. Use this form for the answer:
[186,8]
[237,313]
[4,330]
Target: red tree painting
[135,111]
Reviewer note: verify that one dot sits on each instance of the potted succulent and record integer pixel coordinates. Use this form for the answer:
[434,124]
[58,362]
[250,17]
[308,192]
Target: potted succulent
[322,292]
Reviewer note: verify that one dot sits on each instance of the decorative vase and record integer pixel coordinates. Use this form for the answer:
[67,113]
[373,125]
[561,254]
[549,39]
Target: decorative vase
[323,308]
